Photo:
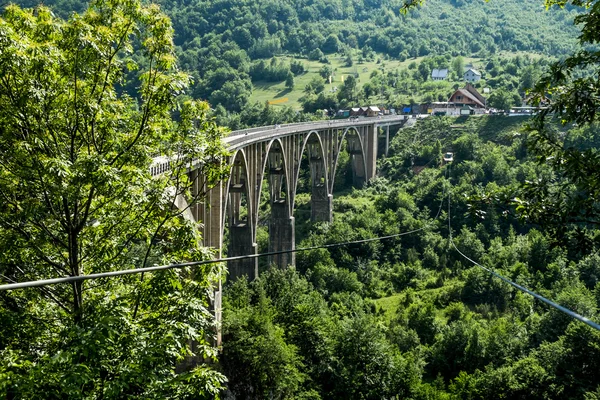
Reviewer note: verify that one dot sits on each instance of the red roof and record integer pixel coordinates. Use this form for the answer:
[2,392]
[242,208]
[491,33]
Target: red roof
[469,96]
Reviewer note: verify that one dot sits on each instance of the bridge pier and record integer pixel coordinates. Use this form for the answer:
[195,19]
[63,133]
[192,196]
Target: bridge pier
[321,200]
[370,146]
[359,174]
[240,244]
[387,140]
[241,229]
[282,234]
[321,204]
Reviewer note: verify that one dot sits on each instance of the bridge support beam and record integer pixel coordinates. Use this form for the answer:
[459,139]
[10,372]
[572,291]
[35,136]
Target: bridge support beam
[370,147]
[240,243]
[211,214]
[321,204]
[282,234]
[359,174]
[387,141]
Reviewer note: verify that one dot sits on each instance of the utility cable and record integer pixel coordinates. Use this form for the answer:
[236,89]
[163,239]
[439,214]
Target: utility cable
[523,289]
[70,279]
[110,274]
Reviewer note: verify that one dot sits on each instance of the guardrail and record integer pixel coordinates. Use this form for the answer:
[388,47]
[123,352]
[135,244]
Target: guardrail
[162,164]
[243,137]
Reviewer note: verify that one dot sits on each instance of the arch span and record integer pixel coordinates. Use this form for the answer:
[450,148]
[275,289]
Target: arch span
[357,152]
[275,170]
[239,218]
[321,198]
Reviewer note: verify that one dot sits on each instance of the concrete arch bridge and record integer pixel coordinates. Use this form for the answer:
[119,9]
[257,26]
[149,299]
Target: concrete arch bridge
[273,154]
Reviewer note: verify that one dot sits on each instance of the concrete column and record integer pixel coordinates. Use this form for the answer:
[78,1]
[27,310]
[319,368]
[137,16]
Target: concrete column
[357,160]
[240,243]
[211,212]
[370,147]
[387,140]
[240,231]
[321,204]
[383,141]
[321,201]
[195,190]
[282,234]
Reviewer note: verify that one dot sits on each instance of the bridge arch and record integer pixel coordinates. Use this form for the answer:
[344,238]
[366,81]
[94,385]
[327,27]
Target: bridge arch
[275,169]
[241,225]
[356,148]
[321,198]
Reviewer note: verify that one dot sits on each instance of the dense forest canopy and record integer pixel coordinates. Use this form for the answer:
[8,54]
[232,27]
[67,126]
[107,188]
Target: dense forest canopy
[221,42]
[407,317]
[410,316]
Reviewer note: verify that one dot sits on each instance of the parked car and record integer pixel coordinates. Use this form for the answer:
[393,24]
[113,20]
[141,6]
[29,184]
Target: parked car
[448,157]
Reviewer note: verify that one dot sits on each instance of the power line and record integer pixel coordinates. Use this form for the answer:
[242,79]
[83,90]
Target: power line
[523,289]
[70,279]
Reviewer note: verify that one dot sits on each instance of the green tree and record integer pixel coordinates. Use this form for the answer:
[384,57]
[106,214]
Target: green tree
[326,71]
[348,89]
[315,86]
[78,198]
[458,66]
[574,100]
[348,60]
[332,44]
[316,55]
[257,357]
[424,71]
[289,81]
[501,99]
[369,89]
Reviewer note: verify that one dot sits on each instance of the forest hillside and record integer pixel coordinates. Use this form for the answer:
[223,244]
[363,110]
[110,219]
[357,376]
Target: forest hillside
[227,44]
[410,316]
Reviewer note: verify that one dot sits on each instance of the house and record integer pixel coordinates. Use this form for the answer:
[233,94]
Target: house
[468,96]
[439,74]
[356,111]
[373,111]
[472,75]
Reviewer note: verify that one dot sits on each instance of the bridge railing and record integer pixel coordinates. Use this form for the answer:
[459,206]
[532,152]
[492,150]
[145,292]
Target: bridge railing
[242,132]
[163,164]
[250,130]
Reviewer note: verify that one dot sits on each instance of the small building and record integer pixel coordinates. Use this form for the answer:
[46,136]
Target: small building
[373,111]
[468,96]
[342,114]
[439,74]
[356,111]
[472,75]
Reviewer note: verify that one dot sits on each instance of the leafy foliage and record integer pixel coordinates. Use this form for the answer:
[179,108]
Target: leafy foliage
[78,198]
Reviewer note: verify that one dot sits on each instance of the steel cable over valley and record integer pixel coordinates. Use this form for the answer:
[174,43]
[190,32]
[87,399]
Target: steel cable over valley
[523,289]
[70,279]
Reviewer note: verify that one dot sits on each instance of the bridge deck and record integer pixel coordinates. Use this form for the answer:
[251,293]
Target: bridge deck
[240,138]
[243,137]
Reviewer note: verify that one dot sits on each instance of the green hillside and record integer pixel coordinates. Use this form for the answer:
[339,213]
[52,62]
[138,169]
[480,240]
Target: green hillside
[218,41]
